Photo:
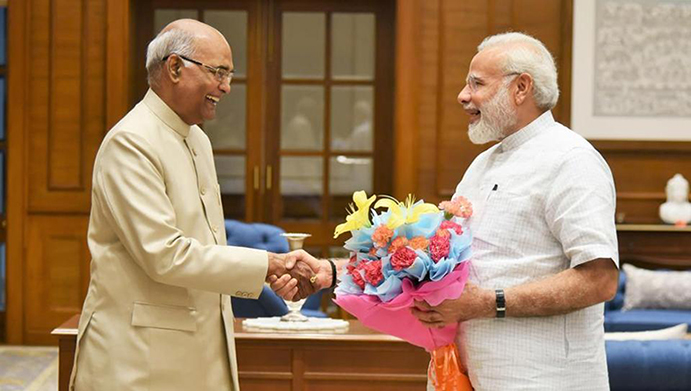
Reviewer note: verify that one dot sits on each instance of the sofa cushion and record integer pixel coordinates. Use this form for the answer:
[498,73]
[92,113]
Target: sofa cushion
[657,289]
[649,365]
[677,332]
[641,320]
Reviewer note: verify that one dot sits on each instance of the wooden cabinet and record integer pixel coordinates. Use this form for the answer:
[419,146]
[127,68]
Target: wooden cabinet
[358,359]
[655,246]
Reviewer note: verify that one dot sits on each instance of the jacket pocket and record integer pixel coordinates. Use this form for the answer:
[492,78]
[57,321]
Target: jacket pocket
[163,317]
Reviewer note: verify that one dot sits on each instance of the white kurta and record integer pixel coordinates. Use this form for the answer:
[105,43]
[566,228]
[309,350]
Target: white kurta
[544,201]
[157,314]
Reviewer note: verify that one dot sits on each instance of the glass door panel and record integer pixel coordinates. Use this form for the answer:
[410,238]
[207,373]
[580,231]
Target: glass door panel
[302,186]
[352,120]
[303,45]
[302,117]
[352,47]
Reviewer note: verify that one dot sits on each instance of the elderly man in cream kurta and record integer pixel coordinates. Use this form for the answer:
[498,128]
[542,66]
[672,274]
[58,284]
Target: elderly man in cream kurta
[157,315]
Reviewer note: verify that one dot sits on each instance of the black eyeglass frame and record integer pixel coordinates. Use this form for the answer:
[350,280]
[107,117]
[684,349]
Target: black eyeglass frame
[220,73]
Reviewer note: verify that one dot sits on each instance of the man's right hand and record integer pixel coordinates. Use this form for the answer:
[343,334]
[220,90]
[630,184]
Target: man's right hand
[306,275]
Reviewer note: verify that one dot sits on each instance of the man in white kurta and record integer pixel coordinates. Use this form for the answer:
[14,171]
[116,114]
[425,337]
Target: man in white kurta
[157,315]
[543,236]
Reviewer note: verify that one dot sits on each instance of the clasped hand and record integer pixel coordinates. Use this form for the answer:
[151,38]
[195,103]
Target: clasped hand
[297,274]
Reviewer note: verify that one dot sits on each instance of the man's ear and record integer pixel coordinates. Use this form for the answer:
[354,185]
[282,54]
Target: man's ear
[173,68]
[524,88]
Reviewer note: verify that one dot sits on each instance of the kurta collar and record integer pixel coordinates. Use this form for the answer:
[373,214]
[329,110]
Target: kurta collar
[531,130]
[165,113]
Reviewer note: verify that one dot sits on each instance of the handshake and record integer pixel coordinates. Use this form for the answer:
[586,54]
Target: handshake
[297,274]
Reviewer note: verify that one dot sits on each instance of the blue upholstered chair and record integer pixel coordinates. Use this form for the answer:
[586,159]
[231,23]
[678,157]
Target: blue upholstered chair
[266,237]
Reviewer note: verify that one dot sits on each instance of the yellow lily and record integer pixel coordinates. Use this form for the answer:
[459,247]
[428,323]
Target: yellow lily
[358,216]
[404,213]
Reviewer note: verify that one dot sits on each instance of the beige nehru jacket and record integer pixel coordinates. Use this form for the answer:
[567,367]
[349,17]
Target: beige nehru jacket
[157,314]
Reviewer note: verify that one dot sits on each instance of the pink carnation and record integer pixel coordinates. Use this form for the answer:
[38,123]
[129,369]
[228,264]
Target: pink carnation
[403,258]
[399,242]
[381,236]
[459,207]
[448,224]
[357,277]
[439,247]
[373,273]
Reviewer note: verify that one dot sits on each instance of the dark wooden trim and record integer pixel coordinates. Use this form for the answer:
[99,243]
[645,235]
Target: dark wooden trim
[658,262]
[406,120]
[119,57]
[18,50]
[439,129]
[647,147]
[328,81]
[326,166]
[564,60]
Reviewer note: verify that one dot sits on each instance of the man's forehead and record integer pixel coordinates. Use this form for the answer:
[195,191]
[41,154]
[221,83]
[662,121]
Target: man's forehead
[484,64]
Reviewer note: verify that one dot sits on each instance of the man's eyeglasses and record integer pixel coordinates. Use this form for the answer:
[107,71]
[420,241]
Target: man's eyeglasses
[220,73]
[475,84]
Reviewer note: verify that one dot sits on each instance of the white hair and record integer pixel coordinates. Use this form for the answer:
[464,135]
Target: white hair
[166,43]
[528,55]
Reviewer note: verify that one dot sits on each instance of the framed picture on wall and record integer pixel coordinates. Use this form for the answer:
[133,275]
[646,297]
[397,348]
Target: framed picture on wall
[632,69]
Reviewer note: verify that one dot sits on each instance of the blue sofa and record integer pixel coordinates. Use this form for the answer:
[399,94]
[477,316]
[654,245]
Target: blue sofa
[646,365]
[639,319]
[266,237]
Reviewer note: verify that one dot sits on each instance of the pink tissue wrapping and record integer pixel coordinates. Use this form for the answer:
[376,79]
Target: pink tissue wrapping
[394,317]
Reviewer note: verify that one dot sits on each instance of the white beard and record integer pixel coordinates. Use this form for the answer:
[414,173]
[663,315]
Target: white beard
[496,117]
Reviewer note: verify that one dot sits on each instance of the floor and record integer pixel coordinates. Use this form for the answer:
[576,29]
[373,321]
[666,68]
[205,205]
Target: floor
[28,368]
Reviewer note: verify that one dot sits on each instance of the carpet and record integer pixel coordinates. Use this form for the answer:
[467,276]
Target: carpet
[28,368]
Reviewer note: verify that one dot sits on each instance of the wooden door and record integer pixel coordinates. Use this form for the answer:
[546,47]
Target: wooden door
[330,129]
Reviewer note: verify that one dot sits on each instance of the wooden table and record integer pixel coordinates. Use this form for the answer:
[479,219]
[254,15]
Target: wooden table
[359,359]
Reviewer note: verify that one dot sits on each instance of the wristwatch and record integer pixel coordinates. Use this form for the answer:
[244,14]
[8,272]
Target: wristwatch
[501,303]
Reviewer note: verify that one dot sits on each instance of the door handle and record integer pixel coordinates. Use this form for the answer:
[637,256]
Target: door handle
[256,178]
[269,177]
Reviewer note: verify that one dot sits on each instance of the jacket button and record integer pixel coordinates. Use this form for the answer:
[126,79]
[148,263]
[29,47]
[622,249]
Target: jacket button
[194,151]
[215,229]
[202,190]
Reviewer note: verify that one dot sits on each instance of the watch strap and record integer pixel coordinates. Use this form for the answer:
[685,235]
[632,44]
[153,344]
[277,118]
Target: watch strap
[501,303]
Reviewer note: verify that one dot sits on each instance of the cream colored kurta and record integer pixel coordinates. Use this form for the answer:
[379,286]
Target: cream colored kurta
[157,314]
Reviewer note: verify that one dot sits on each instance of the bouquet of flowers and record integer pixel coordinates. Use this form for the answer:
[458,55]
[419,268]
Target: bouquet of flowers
[412,251]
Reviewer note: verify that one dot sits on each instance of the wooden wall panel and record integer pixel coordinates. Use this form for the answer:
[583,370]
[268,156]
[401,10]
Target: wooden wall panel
[57,273]
[66,119]
[451,33]
[641,171]
[55,128]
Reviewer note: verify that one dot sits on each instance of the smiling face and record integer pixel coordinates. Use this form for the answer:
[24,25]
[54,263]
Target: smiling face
[198,89]
[487,99]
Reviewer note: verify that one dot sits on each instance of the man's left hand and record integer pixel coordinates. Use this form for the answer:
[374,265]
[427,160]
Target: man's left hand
[474,303]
